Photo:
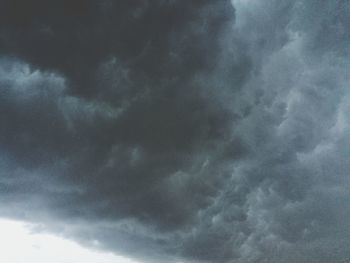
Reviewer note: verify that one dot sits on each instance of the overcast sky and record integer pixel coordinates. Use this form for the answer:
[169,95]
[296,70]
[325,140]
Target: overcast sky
[206,131]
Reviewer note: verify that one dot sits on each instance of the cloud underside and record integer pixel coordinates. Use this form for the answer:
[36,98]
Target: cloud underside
[194,131]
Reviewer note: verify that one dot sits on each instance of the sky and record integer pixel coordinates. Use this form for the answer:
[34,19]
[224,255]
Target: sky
[194,131]
[19,243]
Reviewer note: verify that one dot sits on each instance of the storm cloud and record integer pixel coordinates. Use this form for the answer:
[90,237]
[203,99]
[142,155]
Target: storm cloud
[167,131]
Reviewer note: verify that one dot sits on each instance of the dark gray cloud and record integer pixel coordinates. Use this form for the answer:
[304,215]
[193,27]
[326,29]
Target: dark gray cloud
[195,131]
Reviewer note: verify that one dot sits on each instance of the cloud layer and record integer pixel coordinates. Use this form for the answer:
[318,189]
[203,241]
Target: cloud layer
[192,131]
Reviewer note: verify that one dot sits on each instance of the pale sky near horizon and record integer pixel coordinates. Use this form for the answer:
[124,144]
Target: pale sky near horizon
[20,245]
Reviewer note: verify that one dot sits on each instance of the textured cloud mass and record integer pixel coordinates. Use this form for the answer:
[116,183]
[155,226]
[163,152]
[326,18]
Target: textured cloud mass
[192,131]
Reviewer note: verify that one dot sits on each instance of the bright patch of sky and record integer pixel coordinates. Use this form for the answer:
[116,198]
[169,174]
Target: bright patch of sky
[19,245]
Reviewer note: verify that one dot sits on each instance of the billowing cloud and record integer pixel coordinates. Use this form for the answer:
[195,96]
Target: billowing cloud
[192,131]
